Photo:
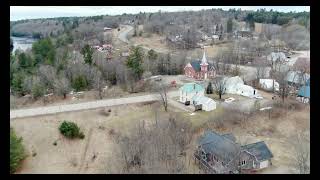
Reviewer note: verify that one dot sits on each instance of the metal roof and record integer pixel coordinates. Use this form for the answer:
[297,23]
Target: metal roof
[259,149]
[196,65]
[304,91]
[221,146]
[230,136]
[190,87]
[202,100]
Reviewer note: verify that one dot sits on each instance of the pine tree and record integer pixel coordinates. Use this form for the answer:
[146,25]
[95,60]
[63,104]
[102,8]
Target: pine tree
[134,61]
[209,88]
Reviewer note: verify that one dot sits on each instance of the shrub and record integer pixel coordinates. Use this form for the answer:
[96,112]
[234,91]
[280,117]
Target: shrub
[37,91]
[70,130]
[79,83]
[17,151]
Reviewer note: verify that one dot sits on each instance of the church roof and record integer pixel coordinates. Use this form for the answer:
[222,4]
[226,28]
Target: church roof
[204,59]
[196,65]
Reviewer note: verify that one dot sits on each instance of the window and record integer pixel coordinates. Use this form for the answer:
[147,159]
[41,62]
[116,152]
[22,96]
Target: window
[243,162]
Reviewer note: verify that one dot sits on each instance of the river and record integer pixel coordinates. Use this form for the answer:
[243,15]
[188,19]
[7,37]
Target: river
[22,43]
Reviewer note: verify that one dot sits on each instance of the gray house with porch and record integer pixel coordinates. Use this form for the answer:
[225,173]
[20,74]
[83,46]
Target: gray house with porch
[217,153]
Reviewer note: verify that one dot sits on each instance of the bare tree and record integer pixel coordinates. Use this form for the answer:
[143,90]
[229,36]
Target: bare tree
[99,83]
[219,84]
[156,149]
[301,146]
[281,78]
[47,75]
[302,67]
[163,91]
[62,86]
[261,67]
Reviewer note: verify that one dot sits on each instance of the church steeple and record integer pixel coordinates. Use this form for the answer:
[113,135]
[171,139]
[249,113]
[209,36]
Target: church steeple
[204,59]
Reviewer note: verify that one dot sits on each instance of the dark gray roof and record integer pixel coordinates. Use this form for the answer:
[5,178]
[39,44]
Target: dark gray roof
[230,136]
[219,145]
[259,150]
[196,65]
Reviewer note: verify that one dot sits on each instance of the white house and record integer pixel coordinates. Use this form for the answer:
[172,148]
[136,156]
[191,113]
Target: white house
[188,90]
[235,85]
[207,104]
[267,84]
[107,29]
[277,56]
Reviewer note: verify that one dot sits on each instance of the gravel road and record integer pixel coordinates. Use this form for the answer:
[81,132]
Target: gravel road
[86,105]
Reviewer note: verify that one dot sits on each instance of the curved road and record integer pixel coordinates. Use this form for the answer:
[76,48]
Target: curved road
[20,113]
[123,35]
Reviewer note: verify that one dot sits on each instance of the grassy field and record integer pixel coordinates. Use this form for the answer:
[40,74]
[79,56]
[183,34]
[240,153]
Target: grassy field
[76,156]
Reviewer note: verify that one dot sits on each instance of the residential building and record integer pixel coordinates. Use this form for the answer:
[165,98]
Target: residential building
[217,153]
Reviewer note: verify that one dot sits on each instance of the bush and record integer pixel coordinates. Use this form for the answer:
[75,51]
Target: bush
[79,83]
[17,151]
[37,91]
[70,130]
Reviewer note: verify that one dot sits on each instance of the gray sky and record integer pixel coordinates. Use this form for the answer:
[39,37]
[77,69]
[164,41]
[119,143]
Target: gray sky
[32,12]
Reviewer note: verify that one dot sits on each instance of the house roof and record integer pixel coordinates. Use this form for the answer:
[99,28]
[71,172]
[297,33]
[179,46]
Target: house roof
[276,55]
[219,145]
[202,100]
[297,77]
[259,149]
[190,87]
[230,136]
[304,91]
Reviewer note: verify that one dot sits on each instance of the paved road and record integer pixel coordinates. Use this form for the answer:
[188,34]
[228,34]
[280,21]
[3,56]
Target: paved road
[86,105]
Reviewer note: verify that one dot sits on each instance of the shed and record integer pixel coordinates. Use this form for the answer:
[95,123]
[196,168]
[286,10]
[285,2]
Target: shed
[207,104]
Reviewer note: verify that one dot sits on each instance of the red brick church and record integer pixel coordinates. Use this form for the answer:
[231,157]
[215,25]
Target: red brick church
[200,69]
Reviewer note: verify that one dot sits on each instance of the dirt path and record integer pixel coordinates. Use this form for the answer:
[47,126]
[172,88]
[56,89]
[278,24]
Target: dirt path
[82,160]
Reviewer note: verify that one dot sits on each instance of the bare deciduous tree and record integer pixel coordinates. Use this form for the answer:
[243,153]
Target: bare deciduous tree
[219,84]
[99,83]
[47,75]
[62,86]
[281,78]
[301,147]
[163,91]
[155,149]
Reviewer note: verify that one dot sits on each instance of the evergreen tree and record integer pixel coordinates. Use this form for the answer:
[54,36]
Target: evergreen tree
[87,52]
[209,88]
[134,61]
[229,25]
